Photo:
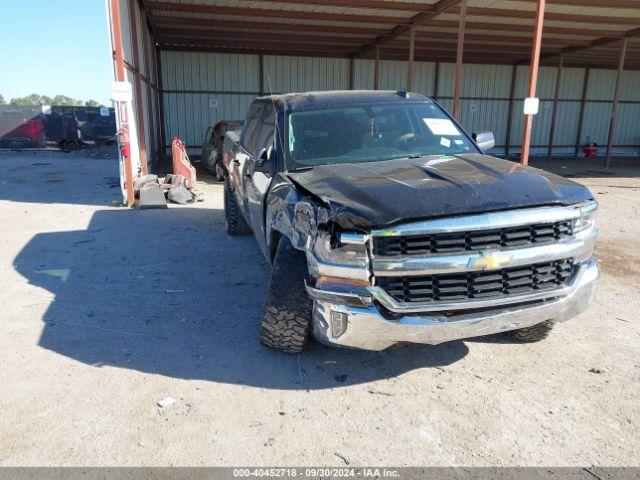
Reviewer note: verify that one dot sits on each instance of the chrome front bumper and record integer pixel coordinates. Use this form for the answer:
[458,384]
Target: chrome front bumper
[367,328]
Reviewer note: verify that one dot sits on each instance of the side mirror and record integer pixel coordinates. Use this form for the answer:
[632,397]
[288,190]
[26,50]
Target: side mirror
[264,160]
[485,140]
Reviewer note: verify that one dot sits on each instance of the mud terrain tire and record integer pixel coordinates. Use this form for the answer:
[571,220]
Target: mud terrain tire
[236,224]
[535,333]
[286,315]
[219,171]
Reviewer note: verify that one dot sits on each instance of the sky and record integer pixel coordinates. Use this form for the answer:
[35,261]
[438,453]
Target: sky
[54,47]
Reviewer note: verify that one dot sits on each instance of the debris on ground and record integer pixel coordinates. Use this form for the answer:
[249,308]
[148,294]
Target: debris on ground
[596,370]
[378,392]
[152,196]
[154,191]
[342,457]
[180,195]
[177,187]
[143,180]
[166,402]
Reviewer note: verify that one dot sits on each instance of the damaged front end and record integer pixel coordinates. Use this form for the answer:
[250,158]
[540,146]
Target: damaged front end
[339,262]
[444,279]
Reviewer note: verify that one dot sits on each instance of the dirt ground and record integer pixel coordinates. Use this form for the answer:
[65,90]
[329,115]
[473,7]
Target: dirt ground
[106,311]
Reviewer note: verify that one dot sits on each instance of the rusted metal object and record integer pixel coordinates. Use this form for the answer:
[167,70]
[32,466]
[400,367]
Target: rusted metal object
[121,76]
[533,79]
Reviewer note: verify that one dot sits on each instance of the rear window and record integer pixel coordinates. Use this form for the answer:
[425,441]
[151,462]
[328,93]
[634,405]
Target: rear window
[252,125]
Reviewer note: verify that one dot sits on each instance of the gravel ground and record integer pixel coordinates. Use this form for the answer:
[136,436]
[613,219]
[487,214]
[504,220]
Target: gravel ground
[107,312]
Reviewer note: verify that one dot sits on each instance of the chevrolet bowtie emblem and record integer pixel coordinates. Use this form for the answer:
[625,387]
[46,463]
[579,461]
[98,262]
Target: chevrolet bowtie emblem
[489,260]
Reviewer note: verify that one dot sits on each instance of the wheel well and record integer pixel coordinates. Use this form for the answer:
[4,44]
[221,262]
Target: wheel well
[276,236]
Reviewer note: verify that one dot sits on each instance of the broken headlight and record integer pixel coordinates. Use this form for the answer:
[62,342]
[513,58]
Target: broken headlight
[341,257]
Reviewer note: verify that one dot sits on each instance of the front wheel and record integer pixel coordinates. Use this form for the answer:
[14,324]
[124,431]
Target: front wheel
[535,333]
[219,170]
[286,315]
[236,224]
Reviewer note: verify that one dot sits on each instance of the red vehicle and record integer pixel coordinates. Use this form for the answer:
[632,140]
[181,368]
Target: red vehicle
[22,129]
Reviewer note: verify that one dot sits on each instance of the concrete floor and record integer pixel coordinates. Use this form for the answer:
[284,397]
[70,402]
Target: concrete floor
[107,310]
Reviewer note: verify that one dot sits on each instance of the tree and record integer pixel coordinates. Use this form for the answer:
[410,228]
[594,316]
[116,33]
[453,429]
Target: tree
[32,100]
[64,100]
[2,101]
[35,99]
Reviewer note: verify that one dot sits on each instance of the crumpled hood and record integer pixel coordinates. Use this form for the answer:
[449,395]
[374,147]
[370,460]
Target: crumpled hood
[379,194]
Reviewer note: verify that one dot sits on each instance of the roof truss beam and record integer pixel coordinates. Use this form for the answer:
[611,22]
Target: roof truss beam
[561,17]
[273,13]
[436,9]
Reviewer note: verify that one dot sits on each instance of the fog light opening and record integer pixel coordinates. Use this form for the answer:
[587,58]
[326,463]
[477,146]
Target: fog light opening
[338,323]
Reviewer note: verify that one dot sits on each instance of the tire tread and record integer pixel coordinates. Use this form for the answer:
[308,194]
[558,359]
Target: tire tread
[236,224]
[535,333]
[286,315]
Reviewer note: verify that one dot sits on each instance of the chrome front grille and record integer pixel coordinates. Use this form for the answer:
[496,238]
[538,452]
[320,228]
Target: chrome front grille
[479,285]
[479,261]
[456,242]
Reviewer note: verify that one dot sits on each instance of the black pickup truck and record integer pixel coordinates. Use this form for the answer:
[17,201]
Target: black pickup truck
[384,222]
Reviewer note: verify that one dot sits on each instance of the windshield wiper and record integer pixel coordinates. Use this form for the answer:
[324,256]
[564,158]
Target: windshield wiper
[301,169]
[410,157]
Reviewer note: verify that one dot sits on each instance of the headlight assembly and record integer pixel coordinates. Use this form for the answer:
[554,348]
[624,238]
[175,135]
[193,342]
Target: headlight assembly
[349,254]
[586,220]
[341,261]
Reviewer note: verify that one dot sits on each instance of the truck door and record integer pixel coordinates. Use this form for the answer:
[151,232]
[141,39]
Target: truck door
[257,182]
[238,164]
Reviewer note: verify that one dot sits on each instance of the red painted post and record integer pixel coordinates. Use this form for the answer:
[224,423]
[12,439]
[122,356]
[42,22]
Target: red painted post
[121,76]
[533,79]
[459,54]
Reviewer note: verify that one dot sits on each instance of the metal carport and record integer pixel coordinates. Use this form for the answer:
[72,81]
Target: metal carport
[194,62]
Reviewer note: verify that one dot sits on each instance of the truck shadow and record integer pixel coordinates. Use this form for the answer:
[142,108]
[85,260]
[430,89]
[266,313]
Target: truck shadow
[88,177]
[168,292]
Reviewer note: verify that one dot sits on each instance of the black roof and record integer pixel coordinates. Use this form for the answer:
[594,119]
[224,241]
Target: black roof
[312,100]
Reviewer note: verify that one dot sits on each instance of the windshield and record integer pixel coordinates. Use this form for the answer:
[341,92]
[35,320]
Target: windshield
[369,133]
